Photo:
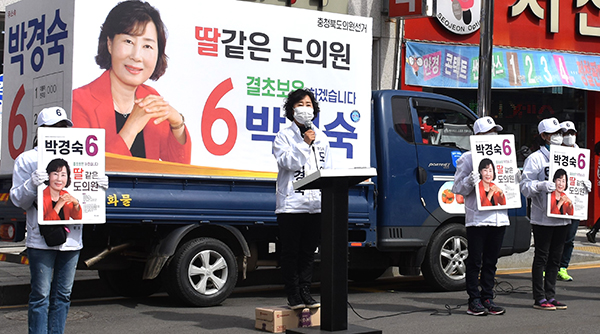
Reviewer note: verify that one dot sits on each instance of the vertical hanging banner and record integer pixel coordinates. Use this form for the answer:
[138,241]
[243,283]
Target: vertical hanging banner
[74,160]
[495,160]
[569,168]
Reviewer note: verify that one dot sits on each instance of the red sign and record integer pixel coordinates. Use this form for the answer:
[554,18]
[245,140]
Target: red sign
[570,28]
[411,8]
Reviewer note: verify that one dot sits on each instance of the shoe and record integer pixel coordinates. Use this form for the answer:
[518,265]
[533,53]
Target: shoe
[544,305]
[295,302]
[492,307]
[563,276]
[476,308]
[591,236]
[557,304]
[307,298]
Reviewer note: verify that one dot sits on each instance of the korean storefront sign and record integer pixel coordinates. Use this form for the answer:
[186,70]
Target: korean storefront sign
[438,65]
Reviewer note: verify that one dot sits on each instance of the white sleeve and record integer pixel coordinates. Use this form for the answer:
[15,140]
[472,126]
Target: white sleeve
[529,180]
[461,176]
[23,192]
[289,155]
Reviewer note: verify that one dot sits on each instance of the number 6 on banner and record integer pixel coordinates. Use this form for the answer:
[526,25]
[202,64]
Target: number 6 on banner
[211,113]
[15,121]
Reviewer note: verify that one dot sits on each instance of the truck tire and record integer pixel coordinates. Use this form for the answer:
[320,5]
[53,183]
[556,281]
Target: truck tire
[203,272]
[444,264]
[129,282]
[365,275]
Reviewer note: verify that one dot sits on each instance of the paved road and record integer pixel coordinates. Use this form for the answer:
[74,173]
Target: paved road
[405,303]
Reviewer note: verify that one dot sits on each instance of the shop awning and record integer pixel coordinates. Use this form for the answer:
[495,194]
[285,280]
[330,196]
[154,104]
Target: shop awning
[457,66]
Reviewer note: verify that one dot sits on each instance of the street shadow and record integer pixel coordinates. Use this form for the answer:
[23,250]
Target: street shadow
[202,320]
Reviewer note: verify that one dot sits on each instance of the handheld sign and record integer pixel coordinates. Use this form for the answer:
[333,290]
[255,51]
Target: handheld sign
[569,167]
[495,160]
[74,160]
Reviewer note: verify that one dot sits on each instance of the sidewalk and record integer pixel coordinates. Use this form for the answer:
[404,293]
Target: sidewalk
[14,278]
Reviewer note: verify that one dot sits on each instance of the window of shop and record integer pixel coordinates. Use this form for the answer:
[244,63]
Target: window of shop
[519,111]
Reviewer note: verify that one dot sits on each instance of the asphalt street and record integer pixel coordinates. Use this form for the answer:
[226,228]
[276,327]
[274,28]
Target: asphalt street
[394,304]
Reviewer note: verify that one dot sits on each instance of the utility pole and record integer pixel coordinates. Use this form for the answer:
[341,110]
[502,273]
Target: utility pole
[484,87]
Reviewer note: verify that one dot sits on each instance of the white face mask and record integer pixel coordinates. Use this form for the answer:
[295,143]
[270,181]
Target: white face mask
[303,114]
[569,140]
[556,139]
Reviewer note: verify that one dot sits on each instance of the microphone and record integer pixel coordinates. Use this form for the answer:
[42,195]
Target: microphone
[309,126]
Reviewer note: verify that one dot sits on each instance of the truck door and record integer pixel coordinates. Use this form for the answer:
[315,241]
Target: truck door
[445,130]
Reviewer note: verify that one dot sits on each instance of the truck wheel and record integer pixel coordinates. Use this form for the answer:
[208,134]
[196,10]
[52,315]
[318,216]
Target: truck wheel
[129,282]
[203,272]
[365,275]
[444,264]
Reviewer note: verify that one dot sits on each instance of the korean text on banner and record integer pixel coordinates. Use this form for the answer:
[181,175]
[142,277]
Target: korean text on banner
[74,160]
[495,160]
[569,168]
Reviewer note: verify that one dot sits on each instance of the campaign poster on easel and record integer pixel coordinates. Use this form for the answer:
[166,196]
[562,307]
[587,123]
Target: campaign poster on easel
[495,161]
[569,168]
[74,160]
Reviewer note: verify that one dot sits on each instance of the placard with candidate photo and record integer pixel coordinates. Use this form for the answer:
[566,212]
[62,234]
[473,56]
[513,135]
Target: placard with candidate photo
[569,168]
[495,160]
[74,160]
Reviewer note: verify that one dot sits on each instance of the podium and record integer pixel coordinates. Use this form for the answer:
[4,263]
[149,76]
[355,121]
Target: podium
[334,184]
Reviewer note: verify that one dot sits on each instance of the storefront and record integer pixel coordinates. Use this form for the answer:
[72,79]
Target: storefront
[546,63]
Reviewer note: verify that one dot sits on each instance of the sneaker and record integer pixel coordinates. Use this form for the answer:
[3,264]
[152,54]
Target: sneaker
[492,307]
[591,236]
[295,302]
[563,276]
[308,299]
[475,308]
[557,304]
[544,305]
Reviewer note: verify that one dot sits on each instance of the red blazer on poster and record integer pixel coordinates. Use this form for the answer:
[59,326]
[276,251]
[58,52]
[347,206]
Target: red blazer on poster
[566,207]
[50,214]
[93,108]
[499,199]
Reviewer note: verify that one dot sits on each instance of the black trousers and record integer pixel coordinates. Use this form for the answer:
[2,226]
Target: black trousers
[299,234]
[549,242]
[484,244]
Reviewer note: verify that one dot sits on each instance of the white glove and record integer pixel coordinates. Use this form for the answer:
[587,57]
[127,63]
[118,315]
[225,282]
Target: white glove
[103,182]
[518,177]
[474,178]
[588,185]
[546,186]
[39,177]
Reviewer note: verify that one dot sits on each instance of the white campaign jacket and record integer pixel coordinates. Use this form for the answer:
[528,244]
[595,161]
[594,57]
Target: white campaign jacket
[536,170]
[24,193]
[474,217]
[295,160]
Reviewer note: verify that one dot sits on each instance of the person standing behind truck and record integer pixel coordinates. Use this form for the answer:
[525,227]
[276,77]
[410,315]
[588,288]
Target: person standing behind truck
[549,233]
[299,149]
[485,230]
[138,121]
[52,269]
[591,234]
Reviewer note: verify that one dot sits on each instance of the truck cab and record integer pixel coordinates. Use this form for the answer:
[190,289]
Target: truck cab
[416,139]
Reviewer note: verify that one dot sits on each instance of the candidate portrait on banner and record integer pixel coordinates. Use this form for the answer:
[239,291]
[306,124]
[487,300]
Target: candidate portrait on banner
[569,168]
[74,160]
[495,162]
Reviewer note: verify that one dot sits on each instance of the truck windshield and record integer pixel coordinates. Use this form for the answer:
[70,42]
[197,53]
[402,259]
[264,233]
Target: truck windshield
[444,124]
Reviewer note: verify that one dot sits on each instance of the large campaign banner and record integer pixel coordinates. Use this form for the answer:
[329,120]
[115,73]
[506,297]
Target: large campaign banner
[495,160]
[74,161]
[37,70]
[453,66]
[569,168]
[223,68]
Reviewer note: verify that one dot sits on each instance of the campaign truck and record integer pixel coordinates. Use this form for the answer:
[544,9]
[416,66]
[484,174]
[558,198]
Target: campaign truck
[192,209]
